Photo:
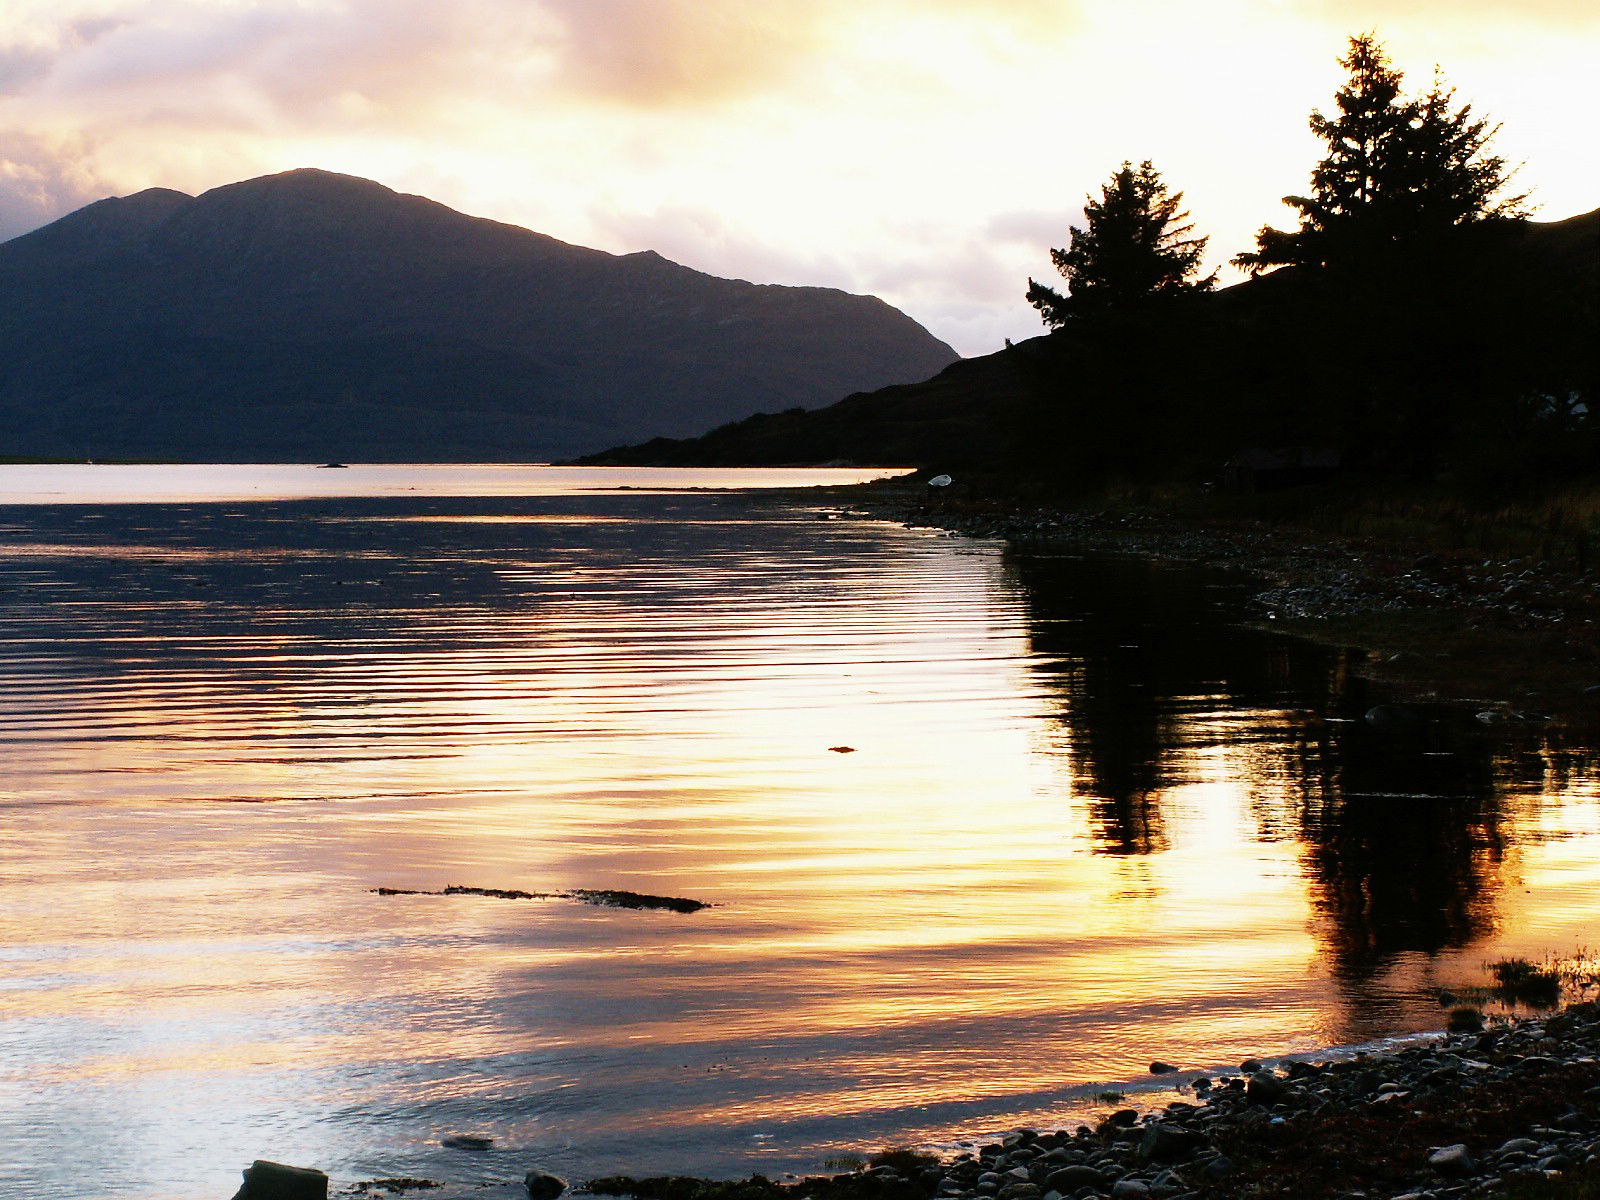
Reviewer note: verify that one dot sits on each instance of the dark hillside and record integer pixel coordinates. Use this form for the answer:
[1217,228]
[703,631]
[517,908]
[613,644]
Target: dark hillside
[1478,363]
[313,315]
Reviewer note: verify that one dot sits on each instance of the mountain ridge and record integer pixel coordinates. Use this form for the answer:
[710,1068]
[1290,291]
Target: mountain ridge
[312,315]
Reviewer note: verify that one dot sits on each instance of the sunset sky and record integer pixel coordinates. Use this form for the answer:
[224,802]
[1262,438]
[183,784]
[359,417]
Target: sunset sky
[928,151]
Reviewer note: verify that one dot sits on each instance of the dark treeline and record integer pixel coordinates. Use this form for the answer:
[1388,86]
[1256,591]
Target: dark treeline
[1414,325]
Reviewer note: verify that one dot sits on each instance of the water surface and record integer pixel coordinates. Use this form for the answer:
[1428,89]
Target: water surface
[1085,819]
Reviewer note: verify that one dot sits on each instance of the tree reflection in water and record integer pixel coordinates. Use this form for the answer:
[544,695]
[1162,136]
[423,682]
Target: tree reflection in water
[1401,828]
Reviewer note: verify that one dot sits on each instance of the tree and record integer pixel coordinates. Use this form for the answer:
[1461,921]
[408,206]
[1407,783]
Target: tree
[1397,172]
[1135,248]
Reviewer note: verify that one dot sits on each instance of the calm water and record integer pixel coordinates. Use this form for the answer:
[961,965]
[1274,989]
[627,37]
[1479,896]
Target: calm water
[1087,821]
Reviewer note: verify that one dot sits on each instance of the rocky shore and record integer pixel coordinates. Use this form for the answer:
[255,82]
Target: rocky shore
[1509,1110]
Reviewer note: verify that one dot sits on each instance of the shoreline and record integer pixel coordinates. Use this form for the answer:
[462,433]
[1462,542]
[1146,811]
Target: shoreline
[1510,1109]
[1518,634]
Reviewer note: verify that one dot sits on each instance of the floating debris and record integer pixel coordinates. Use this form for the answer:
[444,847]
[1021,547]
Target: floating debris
[603,897]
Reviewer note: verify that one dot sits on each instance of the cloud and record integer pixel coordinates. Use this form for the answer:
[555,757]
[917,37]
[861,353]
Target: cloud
[41,179]
[1363,14]
[1034,227]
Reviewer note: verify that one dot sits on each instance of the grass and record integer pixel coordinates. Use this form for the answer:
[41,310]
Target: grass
[1522,981]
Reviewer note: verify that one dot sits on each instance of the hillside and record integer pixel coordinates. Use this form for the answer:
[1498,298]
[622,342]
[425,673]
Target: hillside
[310,315]
[1268,362]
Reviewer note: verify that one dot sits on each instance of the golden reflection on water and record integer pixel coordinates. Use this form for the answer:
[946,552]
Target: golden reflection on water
[1084,822]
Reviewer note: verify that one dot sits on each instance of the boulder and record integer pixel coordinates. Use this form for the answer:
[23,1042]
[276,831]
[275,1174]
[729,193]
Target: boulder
[265,1180]
[543,1186]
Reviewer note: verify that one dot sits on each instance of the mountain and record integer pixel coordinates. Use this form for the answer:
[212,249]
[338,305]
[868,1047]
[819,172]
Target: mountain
[310,315]
[1272,361]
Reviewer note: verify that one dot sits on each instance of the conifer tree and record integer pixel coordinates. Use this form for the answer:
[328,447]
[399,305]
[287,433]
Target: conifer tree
[1396,170]
[1136,247]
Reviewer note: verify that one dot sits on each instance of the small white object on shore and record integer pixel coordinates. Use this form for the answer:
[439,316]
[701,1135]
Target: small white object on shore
[940,481]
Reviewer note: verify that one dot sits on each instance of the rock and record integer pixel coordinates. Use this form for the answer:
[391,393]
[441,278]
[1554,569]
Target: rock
[1070,1179]
[1017,1190]
[543,1186]
[1130,1189]
[1465,1020]
[1452,1160]
[1390,716]
[1168,1143]
[1264,1088]
[1124,1117]
[940,481]
[1161,1068]
[1250,1066]
[265,1180]
[1219,1167]
[467,1141]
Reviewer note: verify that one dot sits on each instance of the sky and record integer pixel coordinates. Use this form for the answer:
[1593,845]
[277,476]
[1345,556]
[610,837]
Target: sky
[928,151]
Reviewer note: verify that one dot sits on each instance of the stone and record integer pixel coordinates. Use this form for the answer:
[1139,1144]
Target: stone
[543,1186]
[1219,1167]
[1124,1117]
[1250,1066]
[1167,1143]
[1130,1189]
[1018,1190]
[265,1180]
[1454,1161]
[1161,1068]
[1070,1179]
[1265,1088]
[467,1141]
[1521,1145]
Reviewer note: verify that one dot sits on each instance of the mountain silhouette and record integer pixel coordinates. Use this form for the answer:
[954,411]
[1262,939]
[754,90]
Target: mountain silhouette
[311,315]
